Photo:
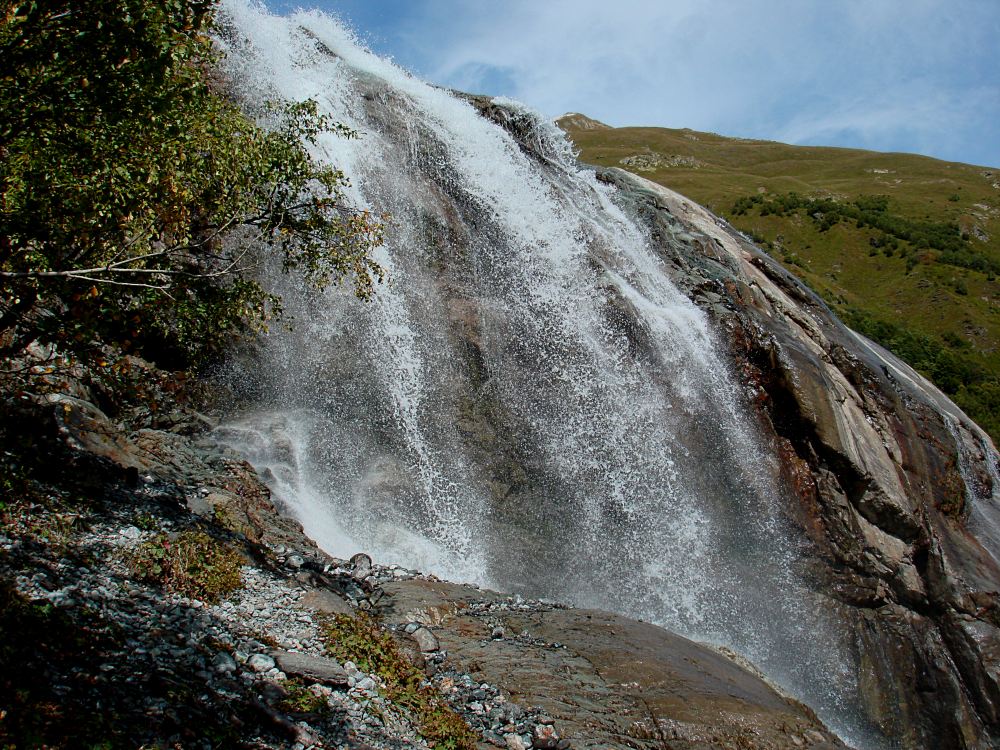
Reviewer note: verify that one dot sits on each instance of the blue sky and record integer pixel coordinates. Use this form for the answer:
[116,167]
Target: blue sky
[893,75]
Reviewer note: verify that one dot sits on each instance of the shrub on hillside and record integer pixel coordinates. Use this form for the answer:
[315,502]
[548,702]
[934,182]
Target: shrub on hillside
[361,640]
[873,211]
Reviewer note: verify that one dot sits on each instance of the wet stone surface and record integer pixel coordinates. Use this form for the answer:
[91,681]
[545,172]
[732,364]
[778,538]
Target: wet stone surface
[255,661]
[521,673]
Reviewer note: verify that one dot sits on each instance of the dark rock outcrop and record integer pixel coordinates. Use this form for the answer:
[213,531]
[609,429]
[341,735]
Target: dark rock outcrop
[894,484]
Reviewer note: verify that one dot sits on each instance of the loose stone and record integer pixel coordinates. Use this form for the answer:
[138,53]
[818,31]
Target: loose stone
[426,640]
[361,566]
[223,663]
[544,737]
[260,663]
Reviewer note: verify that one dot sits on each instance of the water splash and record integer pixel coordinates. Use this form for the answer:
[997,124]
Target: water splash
[982,488]
[528,402]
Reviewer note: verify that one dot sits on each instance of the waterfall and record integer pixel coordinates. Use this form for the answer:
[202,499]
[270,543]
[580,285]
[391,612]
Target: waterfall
[528,402]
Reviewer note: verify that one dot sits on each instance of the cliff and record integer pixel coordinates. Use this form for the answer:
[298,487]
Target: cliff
[575,384]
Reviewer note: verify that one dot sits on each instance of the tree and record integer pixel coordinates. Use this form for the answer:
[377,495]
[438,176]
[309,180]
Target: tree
[134,196]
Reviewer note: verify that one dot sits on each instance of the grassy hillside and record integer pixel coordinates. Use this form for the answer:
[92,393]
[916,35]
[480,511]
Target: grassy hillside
[905,248]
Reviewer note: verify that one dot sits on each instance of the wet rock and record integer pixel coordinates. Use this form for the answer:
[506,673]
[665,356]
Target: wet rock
[361,566]
[579,685]
[877,459]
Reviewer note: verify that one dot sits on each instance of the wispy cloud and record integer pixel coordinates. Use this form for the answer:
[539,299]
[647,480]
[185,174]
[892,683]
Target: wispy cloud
[916,75]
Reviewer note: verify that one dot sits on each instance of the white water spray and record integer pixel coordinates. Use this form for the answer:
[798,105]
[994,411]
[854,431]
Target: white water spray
[528,402]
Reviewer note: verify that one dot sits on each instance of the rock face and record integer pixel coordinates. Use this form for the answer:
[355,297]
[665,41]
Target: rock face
[582,122]
[544,409]
[521,673]
[895,486]
[650,162]
[606,681]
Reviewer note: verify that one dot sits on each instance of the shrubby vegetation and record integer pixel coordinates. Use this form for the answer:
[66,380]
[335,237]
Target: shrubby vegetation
[873,211]
[191,564]
[361,640]
[135,196]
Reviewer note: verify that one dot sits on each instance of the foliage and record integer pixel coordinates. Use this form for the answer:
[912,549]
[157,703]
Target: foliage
[359,639]
[134,196]
[299,699]
[191,564]
[872,211]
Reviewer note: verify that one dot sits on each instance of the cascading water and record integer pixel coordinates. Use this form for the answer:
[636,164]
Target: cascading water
[528,402]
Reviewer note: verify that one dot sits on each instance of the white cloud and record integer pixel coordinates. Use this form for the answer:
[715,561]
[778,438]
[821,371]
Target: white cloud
[796,69]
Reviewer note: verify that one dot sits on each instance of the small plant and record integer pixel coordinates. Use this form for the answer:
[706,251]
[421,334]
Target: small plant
[359,639]
[301,700]
[190,563]
[145,522]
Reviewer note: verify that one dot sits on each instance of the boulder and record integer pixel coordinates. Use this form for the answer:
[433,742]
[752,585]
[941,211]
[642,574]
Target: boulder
[611,681]
[313,668]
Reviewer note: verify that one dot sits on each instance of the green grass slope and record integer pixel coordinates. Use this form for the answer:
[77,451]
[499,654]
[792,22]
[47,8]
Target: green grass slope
[905,248]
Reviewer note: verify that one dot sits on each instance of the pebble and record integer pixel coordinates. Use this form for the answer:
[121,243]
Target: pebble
[260,663]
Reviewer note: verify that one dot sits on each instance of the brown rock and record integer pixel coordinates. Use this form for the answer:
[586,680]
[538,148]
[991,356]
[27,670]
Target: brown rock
[325,602]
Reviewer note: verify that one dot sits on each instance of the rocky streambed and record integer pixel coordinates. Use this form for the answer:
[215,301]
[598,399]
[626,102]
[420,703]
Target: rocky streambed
[93,653]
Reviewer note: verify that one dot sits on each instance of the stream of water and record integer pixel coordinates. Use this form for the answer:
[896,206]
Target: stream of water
[528,402]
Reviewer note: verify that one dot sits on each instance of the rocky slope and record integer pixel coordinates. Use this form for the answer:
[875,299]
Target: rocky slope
[877,278]
[878,461]
[94,654]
